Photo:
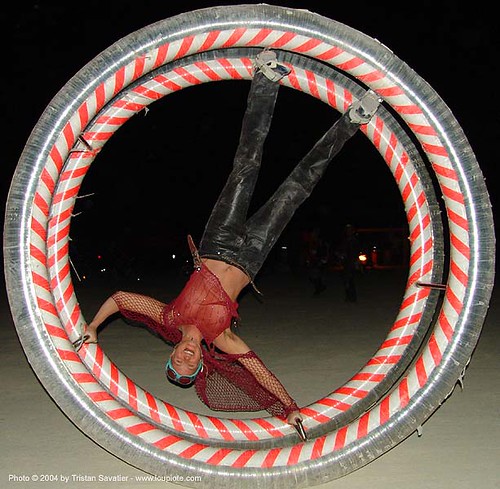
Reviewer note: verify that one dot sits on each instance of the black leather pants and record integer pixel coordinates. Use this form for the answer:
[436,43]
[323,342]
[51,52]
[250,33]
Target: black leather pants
[231,237]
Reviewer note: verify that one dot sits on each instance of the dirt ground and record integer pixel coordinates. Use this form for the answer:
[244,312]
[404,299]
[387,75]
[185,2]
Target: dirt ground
[459,447]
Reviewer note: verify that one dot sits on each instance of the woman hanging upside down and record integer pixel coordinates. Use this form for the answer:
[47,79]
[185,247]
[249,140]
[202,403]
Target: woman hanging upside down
[227,374]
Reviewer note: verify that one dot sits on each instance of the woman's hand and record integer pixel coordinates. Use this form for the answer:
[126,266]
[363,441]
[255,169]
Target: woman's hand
[90,335]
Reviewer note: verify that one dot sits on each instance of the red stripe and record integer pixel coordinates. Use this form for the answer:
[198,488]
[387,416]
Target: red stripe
[295,452]
[421,373]
[46,306]
[166,82]
[132,394]
[317,449]
[419,273]
[351,64]
[40,281]
[455,302]
[191,451]
[403,340]
[312,84]
[384,410]
[161,55]
[312,413]
[384,359]
[207,71]
[458,220]
[100,97]
[153,407]
[419,129]
[340,438]
[407,109]
[261,35]
[235,37]
[403,322]
[145,92]
[48,180]
[367,376]
[188,76]
[41,204]
[166,442]
[230,69]
[119,413]
[243,427]
[69,356]
[435,149]
[271,457]
[114,379]
[459,274]
[330,53]
[140,428]
[445,325]
[174,416]
[222,428]
[196,423]
[69,135]
[218,456]
[350,391]
[83,114]
[434,349]
[74,173]
[133,107]
[138,67]
[371,77]
[308,45]
[389,152]
[115,121]
[268,427]
[84,378]
[460,246]
[100,396]
[243,458]
[453,194]
[209,41]
[98,136]
[119,80]
[56,331]
[38,229]
[335,404]
[331,93]
[444,171]
[56,158]
[363,425]
[379,126]
[284,39]
[403,392]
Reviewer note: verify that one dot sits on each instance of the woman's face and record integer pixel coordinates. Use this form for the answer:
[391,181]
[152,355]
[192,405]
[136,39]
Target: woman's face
[186,356]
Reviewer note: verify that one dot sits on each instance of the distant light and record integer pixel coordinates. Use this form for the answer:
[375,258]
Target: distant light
[173,257]
[362,258]
[99,257]
[284,247]
[103,269]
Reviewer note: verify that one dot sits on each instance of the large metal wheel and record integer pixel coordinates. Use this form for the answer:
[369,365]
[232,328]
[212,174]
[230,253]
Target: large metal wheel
[432,338]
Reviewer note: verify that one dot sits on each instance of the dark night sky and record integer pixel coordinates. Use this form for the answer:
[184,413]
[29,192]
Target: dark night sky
[149,170]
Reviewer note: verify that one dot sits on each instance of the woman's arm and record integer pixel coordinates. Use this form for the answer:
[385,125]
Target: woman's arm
[231,343]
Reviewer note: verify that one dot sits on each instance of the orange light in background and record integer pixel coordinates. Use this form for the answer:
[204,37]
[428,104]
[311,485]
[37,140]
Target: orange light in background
[362,258]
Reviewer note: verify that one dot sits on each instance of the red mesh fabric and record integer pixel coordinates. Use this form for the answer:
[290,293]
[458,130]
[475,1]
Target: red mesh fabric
[228,382]
[204,303]
[241,383]
[148,311]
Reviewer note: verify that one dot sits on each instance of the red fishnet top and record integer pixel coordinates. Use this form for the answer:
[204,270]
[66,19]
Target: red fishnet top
[228,382]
